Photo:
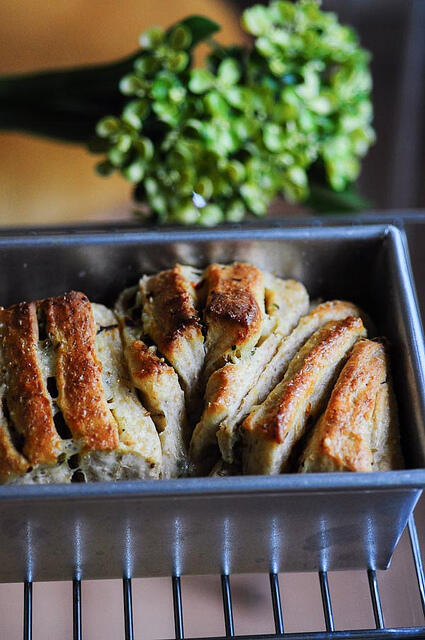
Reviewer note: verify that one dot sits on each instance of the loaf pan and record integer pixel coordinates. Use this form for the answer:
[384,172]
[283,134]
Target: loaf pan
[299,522]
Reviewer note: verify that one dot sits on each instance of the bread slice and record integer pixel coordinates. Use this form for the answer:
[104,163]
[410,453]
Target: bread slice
[170,318]
[385,440]
[234,313]
[71,329]
[68,407]
[12,462]
[30,447]
[158,385]
[28,402]
[138,451]
[342,439]
[275,355]
[272,428]
[285,302]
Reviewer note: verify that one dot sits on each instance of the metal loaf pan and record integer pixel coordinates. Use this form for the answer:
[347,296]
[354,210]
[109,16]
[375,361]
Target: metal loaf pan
[241,524]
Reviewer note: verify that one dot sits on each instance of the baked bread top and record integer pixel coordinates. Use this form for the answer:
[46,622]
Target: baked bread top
[273,428]
[194,372]
[63,367]
[347,436]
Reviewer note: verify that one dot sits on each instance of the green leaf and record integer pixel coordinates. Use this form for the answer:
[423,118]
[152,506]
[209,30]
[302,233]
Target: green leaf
[192,127]
[321,105]
[124,142]
[244,128]
[236,211]
[307,121]
[151,38]
[280,37]
[236,171]
[282,11]
[135,112]
[274,137]
[108,126]
[237,97]
[161,86]
[146,65]
[186,214]
[256,20]
[117,157]
[201,28]
[216,104]
[177,94]
[159,204]
[256,199]
[185,178]
[178,61]
[204,187]
[151,186]
[201,80]
[134,172]
[144,148]
[132,85]
[167,112]
[220,139]
[278,65]
[211,215]
[265,47]
[228,72]
[298,176]
[180,37]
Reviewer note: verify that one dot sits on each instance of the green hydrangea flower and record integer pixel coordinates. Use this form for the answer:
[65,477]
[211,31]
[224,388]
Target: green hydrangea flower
[206,145]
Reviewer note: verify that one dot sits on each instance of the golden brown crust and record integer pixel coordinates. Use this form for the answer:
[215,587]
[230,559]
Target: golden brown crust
[27,398]
[174,314]
[143,362]
[278,358]
[232,296]
[234,311]
[273,428]
[341,440]
[170,318]
[72,330]
[300,376]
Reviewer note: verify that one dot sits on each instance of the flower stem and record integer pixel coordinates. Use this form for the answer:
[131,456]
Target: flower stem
[63,104]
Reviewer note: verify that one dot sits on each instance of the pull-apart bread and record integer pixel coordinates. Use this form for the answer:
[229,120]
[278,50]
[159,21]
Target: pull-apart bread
[274,356]
[170,318]
[272,429]
[284,302]
[358,429]
[220,371]
[157,383]
[68,408]
[234,313]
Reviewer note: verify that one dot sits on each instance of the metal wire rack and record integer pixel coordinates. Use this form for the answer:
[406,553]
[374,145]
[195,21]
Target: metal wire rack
[380,631]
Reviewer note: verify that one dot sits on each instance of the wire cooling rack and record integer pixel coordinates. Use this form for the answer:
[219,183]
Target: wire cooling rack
[380,631]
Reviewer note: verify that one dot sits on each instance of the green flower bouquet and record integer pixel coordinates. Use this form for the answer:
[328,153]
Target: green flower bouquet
[289,116]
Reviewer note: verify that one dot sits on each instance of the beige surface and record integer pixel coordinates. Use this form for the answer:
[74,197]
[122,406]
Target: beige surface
[43,182]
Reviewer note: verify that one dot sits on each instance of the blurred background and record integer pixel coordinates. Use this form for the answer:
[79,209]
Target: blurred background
[45,182]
